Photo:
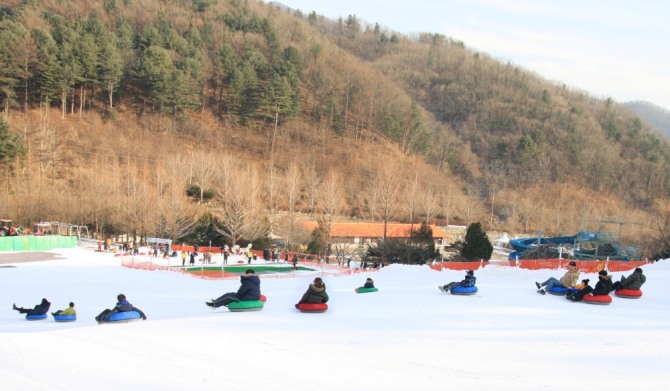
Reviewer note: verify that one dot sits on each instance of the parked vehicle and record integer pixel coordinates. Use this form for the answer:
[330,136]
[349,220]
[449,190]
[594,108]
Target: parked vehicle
[7,228]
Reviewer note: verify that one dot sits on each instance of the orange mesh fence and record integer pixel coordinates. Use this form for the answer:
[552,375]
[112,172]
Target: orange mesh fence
[335,270]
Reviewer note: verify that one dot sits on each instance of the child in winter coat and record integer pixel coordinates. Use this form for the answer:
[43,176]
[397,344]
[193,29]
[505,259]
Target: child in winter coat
[369,283]
[68,311]
[468,281]
[603,287]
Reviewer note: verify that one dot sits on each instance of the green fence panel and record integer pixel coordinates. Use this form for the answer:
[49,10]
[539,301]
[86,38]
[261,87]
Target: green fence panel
[5,244]
[36,243]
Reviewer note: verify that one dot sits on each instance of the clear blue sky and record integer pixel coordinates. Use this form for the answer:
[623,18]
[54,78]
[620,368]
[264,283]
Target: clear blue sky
[608,48]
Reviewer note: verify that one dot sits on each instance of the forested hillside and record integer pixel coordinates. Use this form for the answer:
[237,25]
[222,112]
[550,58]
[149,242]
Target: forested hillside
[146,116]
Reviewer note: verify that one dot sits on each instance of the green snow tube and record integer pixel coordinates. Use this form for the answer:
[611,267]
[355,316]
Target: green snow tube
[242,306]
[366,290]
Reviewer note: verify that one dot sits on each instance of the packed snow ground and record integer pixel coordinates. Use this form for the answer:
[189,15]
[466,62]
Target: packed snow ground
[407,336]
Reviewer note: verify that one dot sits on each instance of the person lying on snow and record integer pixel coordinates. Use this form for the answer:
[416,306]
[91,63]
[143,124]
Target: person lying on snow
[634,281]
[603,287]
[468,281]
[568,280]
[39,309]
[69,311]
[316,293]
[121,306]
[250,290]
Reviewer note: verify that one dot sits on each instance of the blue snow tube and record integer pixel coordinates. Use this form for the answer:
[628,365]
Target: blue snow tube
[464,290]
[124,316]
[36,317]
[558,290]
[65,318]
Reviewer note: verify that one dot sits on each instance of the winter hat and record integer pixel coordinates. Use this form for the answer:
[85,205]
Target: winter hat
[586,281]
[71,304]
[572,263]
[121,297]
[250,271]
[638,270]
[471,273]
[318,281]
[602,273]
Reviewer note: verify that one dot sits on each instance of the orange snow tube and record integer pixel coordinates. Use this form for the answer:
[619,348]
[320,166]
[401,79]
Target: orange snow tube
[600,299]
[312,307]
[629,293]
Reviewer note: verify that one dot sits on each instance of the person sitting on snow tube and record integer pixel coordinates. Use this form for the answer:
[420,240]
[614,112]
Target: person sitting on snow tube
[39,309]
[603,287]
[69,311]
[469,281]
[369,284]
[250,290]
[633,282]
[121,306]
[577,288]
[316,293]
[568,280]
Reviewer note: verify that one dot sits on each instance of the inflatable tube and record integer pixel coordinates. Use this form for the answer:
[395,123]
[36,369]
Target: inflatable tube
[263,298]
[65,318]
[600,299]
[36,317]
[628,293]
[312,307]
[558,290]
[243,306]
[464,290]
[125,316]
[366,290]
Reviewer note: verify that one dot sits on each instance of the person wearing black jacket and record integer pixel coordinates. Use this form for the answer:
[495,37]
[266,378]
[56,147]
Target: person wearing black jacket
[250,290]
[603,287]
[39,309]
[121,306]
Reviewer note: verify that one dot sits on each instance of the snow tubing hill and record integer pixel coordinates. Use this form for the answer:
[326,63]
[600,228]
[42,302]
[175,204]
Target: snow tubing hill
[36,317]
[600,299]
[558,290]
[125,316]
[464,290]
[312,307]
[247,305]
[366,290]
[628,293]
[65,318]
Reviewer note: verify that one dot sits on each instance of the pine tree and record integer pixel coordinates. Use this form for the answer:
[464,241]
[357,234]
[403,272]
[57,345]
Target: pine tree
[476,245]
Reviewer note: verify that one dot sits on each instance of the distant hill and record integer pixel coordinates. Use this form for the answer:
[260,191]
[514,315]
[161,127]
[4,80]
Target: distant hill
[654,114]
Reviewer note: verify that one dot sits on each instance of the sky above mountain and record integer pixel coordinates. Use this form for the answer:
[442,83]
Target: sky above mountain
[614,48]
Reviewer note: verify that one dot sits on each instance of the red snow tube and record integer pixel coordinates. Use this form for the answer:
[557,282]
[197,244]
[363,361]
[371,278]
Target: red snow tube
[263,298]
[312,307]
[600,299]
[629,293]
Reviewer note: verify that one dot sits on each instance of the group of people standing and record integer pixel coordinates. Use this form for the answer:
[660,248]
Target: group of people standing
[604,285]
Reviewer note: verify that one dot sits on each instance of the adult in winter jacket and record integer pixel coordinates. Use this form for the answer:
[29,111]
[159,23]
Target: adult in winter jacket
[69,311]
[250,290]
[634,281]
[40,309]
[469,281]
[316,293]
[568,280]
[122,305]
[603,287]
